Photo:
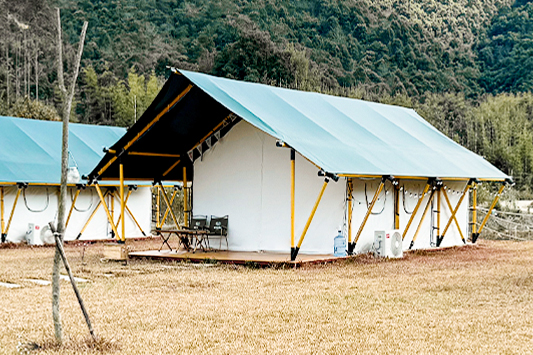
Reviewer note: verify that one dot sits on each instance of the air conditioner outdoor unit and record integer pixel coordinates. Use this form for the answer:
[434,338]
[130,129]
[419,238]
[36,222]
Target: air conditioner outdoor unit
[39,235]
[388,244]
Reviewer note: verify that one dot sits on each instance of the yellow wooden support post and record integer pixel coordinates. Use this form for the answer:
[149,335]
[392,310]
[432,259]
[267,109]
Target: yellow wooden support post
[123,222]
[112,206]
[130,190]
[396,205]
[422,218]
[474,212]
[309,220]
[426,189]
[125,204]
[350,211]
[452,218]
[157,210]
[6,231]
[369,211]
[293,188]
[438,211]
[102,199]
[2,213]
[169,204]
[494,202]
[72,206]
[185,199]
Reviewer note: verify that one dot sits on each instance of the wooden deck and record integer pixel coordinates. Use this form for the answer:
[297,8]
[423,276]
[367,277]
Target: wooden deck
[236,257]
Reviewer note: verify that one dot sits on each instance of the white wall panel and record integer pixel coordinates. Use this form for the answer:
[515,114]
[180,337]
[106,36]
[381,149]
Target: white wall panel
[34,208]
[248,178]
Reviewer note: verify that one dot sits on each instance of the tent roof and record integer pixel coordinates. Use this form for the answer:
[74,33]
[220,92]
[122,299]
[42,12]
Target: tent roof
[340,135]
[30,150]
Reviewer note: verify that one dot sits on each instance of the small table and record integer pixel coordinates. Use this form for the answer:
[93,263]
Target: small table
[186,237]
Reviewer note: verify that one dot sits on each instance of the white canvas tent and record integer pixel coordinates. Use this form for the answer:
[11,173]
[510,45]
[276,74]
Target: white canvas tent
[265,157]
[30,155]
[246,177]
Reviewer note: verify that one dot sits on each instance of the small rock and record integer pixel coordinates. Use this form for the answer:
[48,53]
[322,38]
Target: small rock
[77,279]
[9,285]
[39,282]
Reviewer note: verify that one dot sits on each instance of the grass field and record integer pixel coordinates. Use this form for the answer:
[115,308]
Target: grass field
[475,299]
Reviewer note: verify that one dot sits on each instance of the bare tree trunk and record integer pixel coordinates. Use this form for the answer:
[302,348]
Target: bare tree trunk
[56,315]
[25,65]
[17,63]
[67,105]
[8,68]
[36,72]
[61,251]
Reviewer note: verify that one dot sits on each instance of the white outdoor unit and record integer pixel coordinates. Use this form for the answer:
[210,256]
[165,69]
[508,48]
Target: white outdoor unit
[39,235]
[388,244]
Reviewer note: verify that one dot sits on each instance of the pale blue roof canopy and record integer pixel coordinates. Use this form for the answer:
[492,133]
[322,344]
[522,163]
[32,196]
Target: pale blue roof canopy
[30,150]
[340,135]
[349,136]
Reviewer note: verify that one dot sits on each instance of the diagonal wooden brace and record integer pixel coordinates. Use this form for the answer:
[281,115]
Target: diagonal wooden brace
[294,252]
[488,213]
[426,189]
[452,217]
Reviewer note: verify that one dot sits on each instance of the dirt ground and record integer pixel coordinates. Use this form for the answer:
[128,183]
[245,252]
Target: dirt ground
[469,300]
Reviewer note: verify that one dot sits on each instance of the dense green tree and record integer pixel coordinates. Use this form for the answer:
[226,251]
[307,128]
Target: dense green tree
[506,52]
[455,62]
[29,108]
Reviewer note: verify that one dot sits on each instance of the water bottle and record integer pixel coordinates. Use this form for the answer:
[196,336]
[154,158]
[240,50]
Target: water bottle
[339,245]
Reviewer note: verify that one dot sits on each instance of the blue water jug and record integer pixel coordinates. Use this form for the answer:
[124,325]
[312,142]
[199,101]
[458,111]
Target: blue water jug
[339,245]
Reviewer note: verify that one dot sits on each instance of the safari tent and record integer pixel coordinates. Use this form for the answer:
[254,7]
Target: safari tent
[30,161]
[291,168]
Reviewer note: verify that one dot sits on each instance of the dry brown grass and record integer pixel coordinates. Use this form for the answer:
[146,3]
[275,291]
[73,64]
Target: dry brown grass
[462,301]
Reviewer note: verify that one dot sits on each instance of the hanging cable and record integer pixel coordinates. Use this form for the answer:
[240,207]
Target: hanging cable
[403,199]
[90,205]
[385,192]
[32,210]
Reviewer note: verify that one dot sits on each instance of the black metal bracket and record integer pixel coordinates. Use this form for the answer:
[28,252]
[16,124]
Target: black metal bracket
[294,253]
[439,240]
[474,237]
[390,178]
[351,248]
[22,185]
[328,176]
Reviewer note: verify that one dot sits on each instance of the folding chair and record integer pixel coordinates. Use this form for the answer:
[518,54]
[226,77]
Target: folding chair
[199,224]
[218,228]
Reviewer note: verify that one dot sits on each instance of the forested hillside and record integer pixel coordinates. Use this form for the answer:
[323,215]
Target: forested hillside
[465,65]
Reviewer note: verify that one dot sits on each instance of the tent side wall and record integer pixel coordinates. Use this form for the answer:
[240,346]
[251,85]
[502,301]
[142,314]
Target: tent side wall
[39,207]
[382,217]
[247,177]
